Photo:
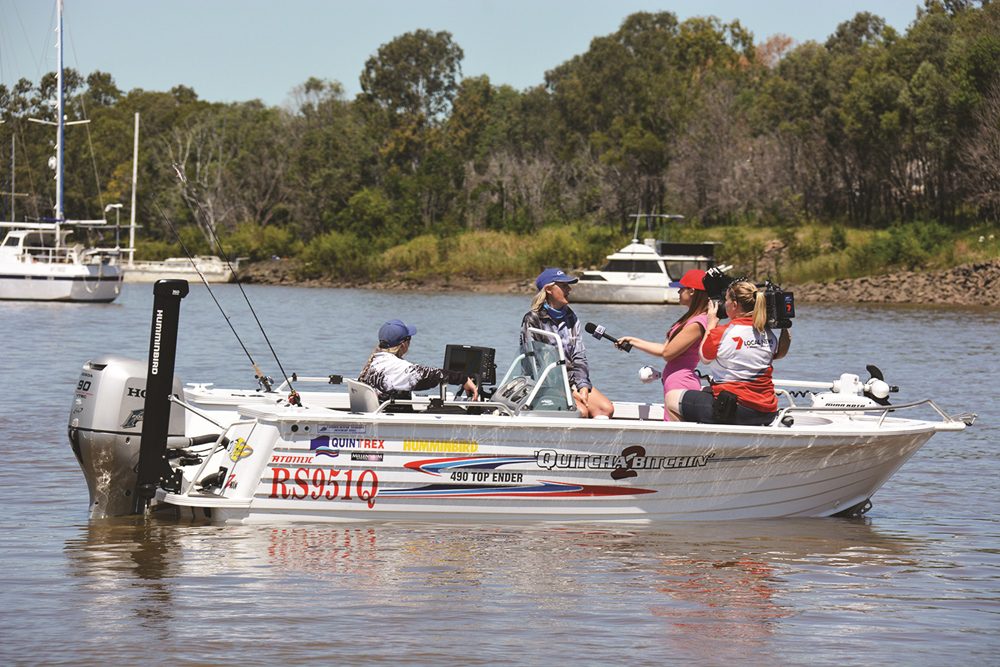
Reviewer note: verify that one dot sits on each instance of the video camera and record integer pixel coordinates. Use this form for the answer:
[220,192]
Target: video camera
[780,304]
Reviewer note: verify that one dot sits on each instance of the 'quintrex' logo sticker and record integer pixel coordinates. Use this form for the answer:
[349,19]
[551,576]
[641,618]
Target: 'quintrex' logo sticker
[321,447]
[622,466]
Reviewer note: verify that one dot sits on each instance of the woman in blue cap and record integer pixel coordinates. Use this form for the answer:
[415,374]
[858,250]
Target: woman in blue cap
[394,377]
[550,311]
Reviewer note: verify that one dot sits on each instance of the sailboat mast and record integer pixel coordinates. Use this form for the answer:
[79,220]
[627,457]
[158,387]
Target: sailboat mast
[60,125]
[13,176]
[135,176]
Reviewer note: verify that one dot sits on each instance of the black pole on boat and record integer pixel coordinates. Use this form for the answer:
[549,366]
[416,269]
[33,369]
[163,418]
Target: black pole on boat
[153,468]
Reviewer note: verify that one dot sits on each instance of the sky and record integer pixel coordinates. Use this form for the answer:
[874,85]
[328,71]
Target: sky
[238,50]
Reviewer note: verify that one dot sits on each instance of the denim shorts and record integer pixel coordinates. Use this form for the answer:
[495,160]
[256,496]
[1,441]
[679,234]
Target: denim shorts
[696,406]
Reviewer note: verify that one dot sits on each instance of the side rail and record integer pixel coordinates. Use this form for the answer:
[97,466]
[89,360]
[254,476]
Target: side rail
[49,254]
[285,385]
[510,371]
[948,422]
[489,405]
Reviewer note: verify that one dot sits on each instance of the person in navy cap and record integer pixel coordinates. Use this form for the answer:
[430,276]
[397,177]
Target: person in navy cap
[394,377]
[550,311]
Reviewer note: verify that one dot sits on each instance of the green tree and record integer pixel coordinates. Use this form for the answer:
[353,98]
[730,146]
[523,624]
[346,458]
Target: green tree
[630,96]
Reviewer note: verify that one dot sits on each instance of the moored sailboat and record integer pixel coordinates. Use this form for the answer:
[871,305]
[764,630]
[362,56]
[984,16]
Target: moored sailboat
[37,260]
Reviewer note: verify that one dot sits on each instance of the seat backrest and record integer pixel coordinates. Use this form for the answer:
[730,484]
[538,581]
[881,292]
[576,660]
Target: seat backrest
[362,397]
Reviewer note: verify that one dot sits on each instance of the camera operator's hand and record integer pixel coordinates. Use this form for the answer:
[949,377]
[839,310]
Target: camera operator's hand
[713,313]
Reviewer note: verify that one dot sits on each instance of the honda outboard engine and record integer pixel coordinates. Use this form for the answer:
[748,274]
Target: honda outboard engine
[105,425]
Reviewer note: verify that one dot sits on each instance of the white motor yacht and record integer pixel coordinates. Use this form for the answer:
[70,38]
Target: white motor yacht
[644,273]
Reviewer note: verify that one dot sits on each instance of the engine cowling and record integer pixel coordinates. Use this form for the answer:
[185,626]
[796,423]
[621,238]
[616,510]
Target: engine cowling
[105,428]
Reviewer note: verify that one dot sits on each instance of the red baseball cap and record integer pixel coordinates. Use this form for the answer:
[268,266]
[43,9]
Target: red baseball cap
[695,279]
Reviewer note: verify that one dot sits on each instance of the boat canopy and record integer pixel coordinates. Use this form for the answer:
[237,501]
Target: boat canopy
[34,239]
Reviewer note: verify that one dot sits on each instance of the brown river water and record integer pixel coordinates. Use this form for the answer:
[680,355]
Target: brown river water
[915,582]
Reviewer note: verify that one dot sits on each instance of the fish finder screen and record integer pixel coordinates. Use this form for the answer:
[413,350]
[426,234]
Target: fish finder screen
[472,361]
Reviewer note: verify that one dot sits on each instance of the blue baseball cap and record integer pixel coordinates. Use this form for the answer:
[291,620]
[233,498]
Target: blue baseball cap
[553,276]
[393,333]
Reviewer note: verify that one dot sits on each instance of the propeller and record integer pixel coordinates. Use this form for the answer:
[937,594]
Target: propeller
[876,388]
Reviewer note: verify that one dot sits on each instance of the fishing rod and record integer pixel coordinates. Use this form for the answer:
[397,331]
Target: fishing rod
[179,170]
[264,381]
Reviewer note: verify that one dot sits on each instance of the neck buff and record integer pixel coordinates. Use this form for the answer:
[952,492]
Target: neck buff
[555,313]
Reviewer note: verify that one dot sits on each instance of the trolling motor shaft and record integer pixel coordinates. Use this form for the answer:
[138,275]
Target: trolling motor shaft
[154,468]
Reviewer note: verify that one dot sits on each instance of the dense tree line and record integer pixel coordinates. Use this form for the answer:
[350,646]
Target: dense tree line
[867,129]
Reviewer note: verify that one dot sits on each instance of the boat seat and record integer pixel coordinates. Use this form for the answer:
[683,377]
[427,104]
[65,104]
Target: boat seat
[363,398]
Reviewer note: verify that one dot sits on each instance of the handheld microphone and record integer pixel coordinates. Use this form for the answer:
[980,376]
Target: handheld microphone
[598,331]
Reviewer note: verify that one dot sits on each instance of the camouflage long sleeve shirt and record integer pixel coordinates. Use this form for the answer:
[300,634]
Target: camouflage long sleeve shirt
[393,377]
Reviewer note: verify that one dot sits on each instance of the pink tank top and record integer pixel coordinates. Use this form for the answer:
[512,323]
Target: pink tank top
[678,373]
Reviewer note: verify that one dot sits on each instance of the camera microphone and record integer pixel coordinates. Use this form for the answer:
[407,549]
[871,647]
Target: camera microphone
[598,332]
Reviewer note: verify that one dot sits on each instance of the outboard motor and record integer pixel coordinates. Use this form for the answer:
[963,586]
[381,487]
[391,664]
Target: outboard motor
[105,425]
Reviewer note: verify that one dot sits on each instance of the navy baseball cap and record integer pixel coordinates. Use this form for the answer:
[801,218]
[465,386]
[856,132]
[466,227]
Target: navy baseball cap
[553,276]
[393,333]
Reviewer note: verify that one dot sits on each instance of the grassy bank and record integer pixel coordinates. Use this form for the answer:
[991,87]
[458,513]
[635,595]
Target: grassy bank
[816,252]
[811,252]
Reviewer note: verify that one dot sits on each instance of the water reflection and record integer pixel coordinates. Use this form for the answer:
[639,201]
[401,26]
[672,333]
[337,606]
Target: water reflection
[142,555]
[721,578]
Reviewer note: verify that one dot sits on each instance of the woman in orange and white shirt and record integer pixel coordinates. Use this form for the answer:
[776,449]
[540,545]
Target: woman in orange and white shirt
[739,355]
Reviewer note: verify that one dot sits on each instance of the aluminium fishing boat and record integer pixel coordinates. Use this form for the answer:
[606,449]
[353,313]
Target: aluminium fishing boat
[261,456]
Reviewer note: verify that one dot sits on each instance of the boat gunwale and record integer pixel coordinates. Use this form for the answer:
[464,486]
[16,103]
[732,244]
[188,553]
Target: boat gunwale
[864,426]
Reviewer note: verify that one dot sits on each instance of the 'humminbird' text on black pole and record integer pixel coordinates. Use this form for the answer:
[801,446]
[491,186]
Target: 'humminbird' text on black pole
[153,466]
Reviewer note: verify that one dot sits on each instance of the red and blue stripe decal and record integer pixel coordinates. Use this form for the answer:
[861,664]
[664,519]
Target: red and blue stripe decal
[437,466]
[541,489]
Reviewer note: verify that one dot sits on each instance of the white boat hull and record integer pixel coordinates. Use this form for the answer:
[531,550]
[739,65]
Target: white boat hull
[525,455]
[353,467]
[211,268]
[99,283]
[603,291]
[152,275]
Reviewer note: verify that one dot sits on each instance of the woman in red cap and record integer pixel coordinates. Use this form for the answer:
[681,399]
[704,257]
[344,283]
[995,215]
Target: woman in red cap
[680,349]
